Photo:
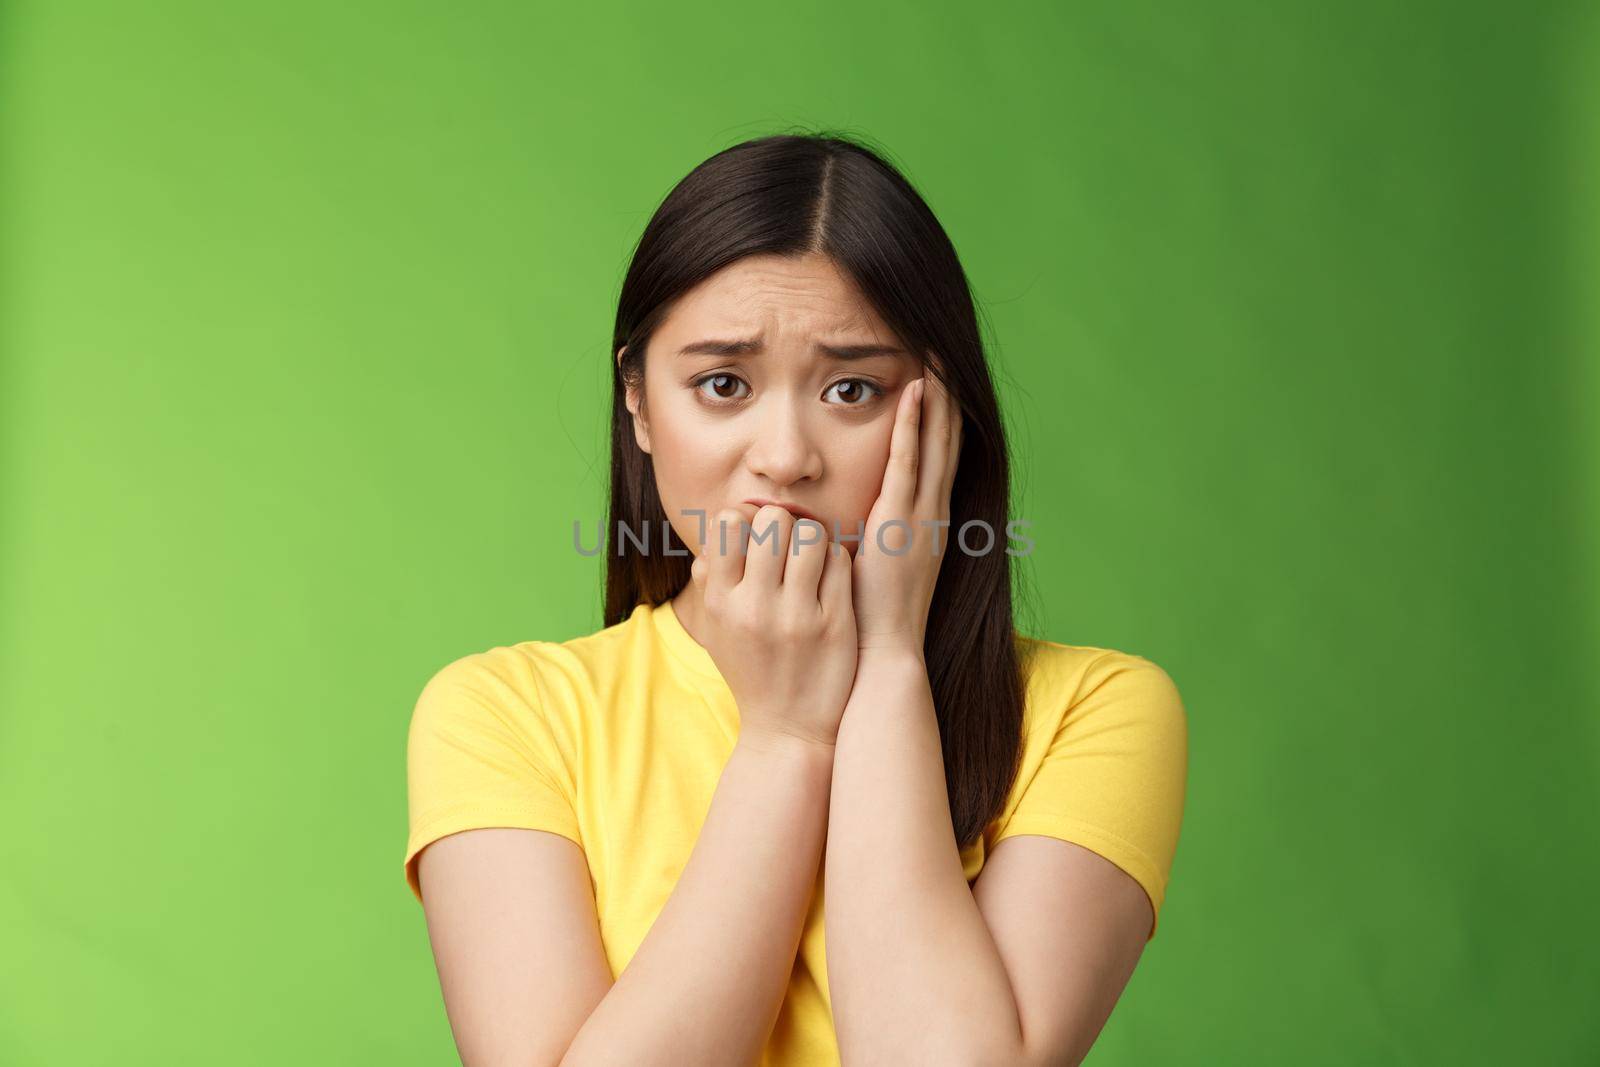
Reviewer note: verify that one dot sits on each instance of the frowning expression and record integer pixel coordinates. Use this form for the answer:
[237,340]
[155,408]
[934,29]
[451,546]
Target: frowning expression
[774,380]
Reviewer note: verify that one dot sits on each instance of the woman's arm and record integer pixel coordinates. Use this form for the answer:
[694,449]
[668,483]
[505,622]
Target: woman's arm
[706,984]
[512,921]
[916,971]
[518,944]
[912,970]
[710,977]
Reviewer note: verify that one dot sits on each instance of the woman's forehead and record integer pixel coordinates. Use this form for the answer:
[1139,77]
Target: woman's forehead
[782,293]
[760,308]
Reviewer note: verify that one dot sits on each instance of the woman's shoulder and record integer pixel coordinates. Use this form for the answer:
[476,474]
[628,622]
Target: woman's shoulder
[1093,684]
[532,665]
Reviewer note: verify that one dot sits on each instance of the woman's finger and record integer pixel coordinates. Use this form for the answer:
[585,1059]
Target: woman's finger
[768,545]
[835,592]
[934,447]
[954,455]
[900,476]
[802,567]
[724,550]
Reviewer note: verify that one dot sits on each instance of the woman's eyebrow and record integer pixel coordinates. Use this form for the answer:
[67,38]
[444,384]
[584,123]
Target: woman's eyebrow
[753,347]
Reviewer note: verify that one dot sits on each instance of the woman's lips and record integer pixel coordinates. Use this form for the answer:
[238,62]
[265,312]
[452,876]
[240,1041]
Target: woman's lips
[794,509]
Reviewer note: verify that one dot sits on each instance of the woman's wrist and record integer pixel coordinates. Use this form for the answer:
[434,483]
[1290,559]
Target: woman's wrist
[779,744]
[890,661]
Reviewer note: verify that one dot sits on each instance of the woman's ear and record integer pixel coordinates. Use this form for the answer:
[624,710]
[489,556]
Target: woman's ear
[634,400]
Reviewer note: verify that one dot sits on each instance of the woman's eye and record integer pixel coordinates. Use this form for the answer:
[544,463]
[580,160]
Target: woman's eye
[718,383]
[852,391]
[724,388]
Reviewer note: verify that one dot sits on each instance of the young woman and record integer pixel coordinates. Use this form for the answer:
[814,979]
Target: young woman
[808,674]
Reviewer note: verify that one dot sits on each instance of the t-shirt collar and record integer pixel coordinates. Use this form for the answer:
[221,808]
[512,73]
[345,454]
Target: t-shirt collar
[684,648]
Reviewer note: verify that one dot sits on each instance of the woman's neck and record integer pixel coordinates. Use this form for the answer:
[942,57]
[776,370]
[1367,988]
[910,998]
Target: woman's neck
[688,606]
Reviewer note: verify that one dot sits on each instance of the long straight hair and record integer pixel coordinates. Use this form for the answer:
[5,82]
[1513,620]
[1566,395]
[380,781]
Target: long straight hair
[793,194]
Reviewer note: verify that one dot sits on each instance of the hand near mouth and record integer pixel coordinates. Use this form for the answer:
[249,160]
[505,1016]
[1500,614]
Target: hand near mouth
[777,622]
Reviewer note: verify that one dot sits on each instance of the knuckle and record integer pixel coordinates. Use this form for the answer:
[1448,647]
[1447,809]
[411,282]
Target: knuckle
[815,531]
[807,546]
[742,615]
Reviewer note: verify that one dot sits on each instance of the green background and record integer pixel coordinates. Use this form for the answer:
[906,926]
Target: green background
[305,312]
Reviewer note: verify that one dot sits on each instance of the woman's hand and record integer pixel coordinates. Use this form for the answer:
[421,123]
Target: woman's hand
[779,621]
[893,589]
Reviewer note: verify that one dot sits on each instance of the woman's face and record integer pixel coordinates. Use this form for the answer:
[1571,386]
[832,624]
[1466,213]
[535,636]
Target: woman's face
[779,418]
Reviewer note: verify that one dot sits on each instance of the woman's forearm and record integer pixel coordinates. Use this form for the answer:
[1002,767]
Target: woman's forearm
[914,973]
[706,983]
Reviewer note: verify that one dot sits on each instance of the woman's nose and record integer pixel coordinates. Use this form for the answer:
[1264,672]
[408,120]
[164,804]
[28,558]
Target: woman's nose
[784,450]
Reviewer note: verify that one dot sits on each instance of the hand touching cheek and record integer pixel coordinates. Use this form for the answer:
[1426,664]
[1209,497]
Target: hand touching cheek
[898,560]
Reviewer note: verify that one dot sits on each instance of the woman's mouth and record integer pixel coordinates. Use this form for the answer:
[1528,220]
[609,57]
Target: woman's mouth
[794,509]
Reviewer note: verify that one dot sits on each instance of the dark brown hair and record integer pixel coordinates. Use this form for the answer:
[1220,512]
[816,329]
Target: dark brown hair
[793,194]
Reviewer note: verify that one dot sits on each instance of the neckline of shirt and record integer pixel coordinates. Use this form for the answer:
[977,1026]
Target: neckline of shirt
[688,651]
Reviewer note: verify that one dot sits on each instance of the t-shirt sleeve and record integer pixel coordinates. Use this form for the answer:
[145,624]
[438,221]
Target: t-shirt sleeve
[479,753]
[1113,775]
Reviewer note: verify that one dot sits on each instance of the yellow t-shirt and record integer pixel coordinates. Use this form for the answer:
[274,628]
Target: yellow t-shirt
[617,740]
